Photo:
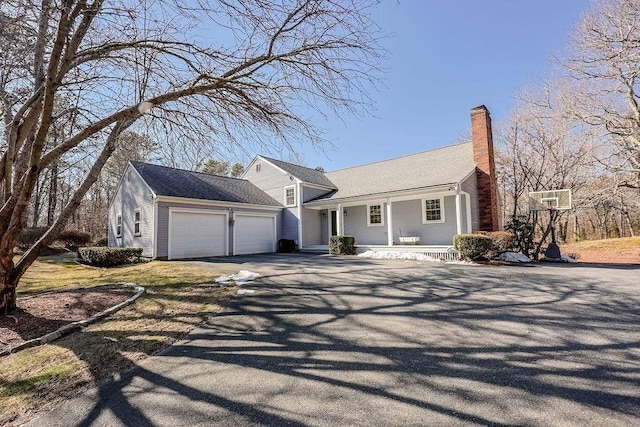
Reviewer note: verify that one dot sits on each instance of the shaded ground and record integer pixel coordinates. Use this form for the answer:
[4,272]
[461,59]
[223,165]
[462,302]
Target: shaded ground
[40,314]
[345,341]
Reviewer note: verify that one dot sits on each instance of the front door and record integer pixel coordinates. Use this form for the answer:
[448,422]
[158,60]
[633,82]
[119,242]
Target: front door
[334,223]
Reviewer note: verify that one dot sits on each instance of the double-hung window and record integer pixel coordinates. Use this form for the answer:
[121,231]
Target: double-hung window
[136,222]
[432,210]
[290,196]
[119,226]
[375,216]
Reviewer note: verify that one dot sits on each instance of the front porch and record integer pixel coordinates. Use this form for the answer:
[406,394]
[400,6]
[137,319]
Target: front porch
[442,252]
[423,221]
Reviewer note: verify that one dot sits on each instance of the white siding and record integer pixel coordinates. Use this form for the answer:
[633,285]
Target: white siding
[312,221]
[407,215]
[132,194]
[355,224]
[272,181]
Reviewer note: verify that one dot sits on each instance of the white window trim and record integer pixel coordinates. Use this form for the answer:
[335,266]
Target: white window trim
[139,233]
[369,224]
[119,226]
[295,196]
[424,210]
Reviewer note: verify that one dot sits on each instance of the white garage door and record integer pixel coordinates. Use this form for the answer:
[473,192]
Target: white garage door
[197,234]
[254,234]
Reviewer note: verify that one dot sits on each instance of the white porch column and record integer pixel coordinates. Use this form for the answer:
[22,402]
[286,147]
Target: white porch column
[458,211]
[389,224]
[299,198]
[339,220]
[467,202]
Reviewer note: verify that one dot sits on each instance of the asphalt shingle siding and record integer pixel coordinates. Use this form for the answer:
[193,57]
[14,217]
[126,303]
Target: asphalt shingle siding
[165,181]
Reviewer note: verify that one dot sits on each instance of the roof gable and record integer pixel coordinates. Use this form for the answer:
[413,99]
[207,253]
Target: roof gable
[166,181]
[442,166]
[303,173]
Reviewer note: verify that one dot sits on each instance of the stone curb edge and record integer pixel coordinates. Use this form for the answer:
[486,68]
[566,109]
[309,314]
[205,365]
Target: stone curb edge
[76,326]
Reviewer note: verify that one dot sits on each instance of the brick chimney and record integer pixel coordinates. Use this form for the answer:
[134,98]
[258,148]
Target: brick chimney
[482,140]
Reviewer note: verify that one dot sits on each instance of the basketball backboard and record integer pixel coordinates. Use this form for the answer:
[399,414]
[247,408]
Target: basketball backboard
[550,200]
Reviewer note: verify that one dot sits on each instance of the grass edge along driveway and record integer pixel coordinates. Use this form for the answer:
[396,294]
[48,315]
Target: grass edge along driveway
[179,297]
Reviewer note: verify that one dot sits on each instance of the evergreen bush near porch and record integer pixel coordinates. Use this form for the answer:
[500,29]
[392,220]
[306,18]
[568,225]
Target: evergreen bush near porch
[342,245]
[99,256]
[472,246]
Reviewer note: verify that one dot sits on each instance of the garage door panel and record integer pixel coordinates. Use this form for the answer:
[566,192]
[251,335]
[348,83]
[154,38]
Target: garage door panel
[198,234]
[254,234]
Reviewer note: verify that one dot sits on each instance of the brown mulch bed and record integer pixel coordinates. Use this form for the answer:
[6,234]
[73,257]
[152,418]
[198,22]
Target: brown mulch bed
[40,314]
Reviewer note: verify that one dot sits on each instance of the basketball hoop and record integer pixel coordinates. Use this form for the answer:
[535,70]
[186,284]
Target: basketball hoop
[551,201]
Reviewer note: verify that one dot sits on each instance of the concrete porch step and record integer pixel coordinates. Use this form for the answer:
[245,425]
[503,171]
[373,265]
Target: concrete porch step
[316,249]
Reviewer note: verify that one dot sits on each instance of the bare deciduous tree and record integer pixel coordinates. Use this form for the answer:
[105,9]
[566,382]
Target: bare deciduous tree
[226,72]
[542,147]
[605,60]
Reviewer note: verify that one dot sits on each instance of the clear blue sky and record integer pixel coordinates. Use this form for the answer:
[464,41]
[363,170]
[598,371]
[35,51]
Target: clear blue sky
[446,57]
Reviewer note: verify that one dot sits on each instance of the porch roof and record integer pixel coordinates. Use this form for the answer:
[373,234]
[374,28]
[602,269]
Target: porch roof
[427,170]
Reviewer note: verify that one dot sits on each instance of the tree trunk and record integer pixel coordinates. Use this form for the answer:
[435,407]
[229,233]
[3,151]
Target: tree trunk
[36,205]
[9,284]
[53,194]
[628,220]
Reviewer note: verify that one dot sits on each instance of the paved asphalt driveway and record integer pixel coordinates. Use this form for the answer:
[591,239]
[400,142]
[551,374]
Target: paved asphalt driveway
[345,341]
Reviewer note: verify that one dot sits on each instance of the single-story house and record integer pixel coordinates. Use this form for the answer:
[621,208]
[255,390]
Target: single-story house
[422,199]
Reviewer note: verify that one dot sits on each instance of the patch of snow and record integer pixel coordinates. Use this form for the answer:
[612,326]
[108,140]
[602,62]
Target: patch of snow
[245,291]
[513,257]
[242,277]
[567,258]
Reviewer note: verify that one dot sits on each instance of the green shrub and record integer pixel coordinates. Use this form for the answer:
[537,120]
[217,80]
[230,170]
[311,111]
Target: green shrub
[103,241]
[28,236]
[109,257]
[472,246]
[503,241]
[342,245]
[73,239]
[523,230]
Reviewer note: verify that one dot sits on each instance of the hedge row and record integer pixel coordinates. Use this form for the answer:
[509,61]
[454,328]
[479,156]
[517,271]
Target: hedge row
[483,244]
[503,241]
[71,238]
[109,257]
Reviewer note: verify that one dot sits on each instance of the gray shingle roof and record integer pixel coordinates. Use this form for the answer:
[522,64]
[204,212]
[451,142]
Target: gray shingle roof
[165,181]
[442,166]
[303,173]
